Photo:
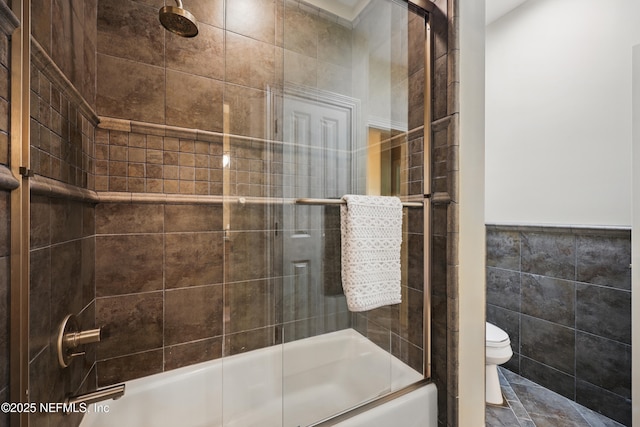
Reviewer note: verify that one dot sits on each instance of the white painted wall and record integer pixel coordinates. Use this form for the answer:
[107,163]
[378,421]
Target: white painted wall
[558,113]
[471,241]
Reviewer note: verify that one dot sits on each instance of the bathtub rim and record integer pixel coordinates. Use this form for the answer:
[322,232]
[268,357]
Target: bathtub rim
[366,406]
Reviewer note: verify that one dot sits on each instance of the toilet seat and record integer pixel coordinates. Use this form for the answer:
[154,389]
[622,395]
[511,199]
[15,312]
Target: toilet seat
[496,337]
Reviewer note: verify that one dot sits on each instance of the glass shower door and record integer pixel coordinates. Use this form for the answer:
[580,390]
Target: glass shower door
[345,130]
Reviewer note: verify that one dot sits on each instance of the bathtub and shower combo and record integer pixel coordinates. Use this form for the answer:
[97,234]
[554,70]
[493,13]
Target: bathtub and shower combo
[366,369]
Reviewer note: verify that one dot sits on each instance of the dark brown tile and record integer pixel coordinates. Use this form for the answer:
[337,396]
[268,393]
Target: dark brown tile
[412,317]
[202,55]
[186,218]
[300,31]
[201,109]
[255,19]
[249,62]
[247,113]
[88,270]
[193,259]
[88,220]
[5,214]
[66,220]
[193,314]
[252,216]
[130,324]
[256,294]
[4,418]
[41,23]
[129,367]
[191,353]
[128,263]
[66,280]
[140,97]
[40,327]
[247,255]
[207,11]
[121,218]
[4,321]
[40,386]
[247,341]
[129,30]
[62,39]
[415,261]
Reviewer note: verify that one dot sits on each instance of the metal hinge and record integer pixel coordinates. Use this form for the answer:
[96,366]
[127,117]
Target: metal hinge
[26,172]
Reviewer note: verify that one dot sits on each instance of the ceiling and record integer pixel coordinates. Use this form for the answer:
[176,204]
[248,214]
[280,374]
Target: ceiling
[347,9]
[497,8]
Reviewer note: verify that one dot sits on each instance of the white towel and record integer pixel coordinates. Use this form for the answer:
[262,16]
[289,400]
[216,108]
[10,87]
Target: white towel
[371,231]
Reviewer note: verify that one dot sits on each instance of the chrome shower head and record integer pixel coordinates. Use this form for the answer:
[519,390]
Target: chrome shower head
[178,20]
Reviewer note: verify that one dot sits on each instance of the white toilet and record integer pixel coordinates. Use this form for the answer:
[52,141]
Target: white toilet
[498,351]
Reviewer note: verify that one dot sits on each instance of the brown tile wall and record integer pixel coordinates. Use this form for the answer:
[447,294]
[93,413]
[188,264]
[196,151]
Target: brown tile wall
[5,82]
[174,161]
[444,184]
[173,286]
[62,282]
[66,30]
[62,133]
[5,259]
[62,253]
[5,209]
[183,161]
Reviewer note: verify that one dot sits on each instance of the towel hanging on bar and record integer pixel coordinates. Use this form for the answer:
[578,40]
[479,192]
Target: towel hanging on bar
[371,231]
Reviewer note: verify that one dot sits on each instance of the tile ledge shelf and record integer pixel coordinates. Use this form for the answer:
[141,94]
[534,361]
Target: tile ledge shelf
[8,20]
[43,186]
[559,228]
[8,182]
[45,64]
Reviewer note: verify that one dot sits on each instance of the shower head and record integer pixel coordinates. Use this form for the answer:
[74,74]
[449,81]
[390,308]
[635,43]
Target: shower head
[178,20]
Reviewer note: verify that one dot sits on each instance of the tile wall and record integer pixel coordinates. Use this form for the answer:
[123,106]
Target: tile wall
[444,202]
[66,31]
[62,282]
[564,297]
[158,150]
[5,207]
[163,74]
[62,252]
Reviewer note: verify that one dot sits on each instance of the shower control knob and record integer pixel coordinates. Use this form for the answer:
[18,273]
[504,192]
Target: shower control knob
[70,337]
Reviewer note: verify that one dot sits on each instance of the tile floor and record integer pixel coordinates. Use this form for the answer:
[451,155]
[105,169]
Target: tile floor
[531,405]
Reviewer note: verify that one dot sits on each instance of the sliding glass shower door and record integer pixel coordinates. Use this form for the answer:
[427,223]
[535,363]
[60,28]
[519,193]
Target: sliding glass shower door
[346,128]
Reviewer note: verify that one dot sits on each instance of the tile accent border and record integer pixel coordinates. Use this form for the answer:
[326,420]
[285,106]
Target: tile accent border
[41,60]
[7,180]
[8,20]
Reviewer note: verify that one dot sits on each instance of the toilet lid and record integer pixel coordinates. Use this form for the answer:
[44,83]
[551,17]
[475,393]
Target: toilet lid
[495,334]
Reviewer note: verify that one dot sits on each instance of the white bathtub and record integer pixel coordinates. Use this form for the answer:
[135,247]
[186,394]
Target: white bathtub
[295,384]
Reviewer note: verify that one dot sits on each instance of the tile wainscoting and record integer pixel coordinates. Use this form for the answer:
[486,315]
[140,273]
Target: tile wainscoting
[563,294]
